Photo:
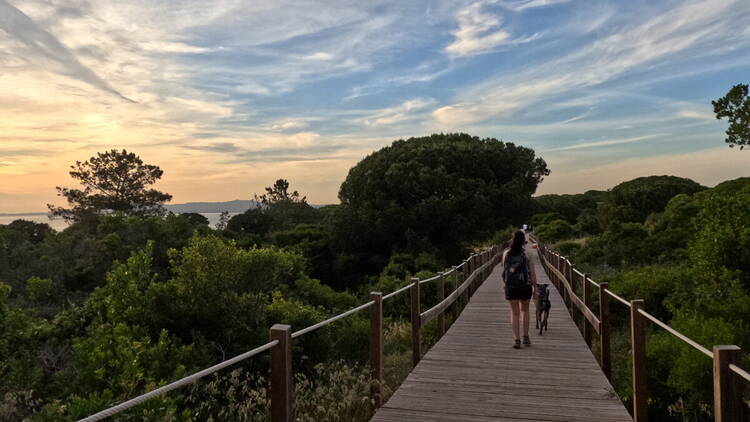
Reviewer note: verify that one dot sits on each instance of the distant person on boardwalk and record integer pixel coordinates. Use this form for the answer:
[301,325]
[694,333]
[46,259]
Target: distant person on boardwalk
[520,285]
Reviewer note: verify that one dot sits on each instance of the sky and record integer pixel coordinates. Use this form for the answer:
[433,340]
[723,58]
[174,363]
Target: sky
[227,96]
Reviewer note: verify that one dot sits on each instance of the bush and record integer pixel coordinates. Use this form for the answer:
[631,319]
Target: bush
[39,289]
[554,231]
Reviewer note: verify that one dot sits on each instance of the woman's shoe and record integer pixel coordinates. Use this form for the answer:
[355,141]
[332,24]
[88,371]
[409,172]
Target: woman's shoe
[526,341]
[517,344]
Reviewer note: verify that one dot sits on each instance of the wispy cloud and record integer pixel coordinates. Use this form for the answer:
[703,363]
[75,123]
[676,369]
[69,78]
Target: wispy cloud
[230,95]
[46,49]
[479,32]
[694,28]
[608,142]
[520,5]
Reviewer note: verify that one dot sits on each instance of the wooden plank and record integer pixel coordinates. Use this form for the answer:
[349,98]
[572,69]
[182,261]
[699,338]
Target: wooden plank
[473,374]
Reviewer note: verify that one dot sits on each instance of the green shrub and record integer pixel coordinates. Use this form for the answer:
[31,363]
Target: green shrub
[554,231]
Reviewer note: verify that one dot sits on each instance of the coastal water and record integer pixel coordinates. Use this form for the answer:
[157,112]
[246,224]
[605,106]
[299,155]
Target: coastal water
[60,224]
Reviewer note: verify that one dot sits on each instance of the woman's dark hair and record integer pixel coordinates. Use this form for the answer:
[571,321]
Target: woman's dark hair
[517,242]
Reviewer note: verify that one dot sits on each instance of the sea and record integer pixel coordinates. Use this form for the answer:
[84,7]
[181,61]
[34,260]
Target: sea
[60,224]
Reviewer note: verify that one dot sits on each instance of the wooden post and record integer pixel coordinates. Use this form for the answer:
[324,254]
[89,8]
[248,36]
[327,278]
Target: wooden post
[638,345]
[571,281]
[604,355]
[469,272]
[416,346]
[728,403]
[587,302]
[559,282]
[465,274]
[455,287]
[376,349]
[282,404]
[440,297]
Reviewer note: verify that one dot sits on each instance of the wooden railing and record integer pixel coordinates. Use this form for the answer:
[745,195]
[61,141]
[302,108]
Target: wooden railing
[472,272]
[727,375]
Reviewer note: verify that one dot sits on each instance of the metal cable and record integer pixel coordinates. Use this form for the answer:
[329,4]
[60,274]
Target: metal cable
[676,333]
[332,319]
[177,384]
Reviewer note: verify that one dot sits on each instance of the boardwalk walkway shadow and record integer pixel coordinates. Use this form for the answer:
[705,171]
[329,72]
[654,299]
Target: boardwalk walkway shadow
[473,373]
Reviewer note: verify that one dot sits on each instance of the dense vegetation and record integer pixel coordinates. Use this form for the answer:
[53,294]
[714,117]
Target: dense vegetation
[685,250]
[122,302]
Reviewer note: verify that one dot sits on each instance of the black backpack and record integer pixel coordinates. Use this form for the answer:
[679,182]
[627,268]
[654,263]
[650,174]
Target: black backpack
[515,272]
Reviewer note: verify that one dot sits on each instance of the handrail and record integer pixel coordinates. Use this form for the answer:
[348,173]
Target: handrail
[676,333]
[396,292]
[200,374]
[739,371]
[332,319]
[620,299]
[176,384]
[427,280]
[433,312]
[724,358]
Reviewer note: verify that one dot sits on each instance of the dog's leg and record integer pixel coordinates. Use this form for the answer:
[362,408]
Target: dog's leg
[537,317]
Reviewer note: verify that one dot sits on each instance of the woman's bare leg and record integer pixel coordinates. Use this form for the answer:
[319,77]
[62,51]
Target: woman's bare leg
[514,321]
[525,317]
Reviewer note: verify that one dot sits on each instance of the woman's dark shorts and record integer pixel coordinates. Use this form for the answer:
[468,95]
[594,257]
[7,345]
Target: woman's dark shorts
[519,293]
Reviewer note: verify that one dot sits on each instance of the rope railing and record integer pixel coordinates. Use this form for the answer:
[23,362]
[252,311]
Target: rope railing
[739,371]
[431,313]
[676,333]
[728,401]
[618,298]
[281,402]
[332,319]
[427,280]
[176,384]
[397,292]
[477,269]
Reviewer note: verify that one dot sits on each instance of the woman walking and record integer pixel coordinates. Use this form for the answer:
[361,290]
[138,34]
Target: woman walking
[520,285]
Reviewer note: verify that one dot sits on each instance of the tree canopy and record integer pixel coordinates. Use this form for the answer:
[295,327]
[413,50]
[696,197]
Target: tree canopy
[438,191]
[112,181]
[735,106]
[634,200]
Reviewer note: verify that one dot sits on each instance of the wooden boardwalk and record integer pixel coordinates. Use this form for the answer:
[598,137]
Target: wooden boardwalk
[473,373]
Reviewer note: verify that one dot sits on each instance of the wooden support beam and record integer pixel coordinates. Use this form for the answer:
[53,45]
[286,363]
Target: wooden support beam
[455,287]
[604,345]
[416,321]
[376,349]
[587,302]
[282,404]
[729,405]
[638,352]
[440,297]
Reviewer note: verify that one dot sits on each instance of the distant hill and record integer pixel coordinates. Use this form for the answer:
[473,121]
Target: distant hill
[235,206]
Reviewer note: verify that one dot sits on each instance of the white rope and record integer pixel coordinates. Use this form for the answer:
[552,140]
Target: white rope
[332,319]
[427,280]
[401,290]
[177,384]
[739,371]
[623,301]
[676,333]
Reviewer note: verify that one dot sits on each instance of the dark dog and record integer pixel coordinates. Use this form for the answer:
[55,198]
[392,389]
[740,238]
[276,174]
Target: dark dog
[542,307]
